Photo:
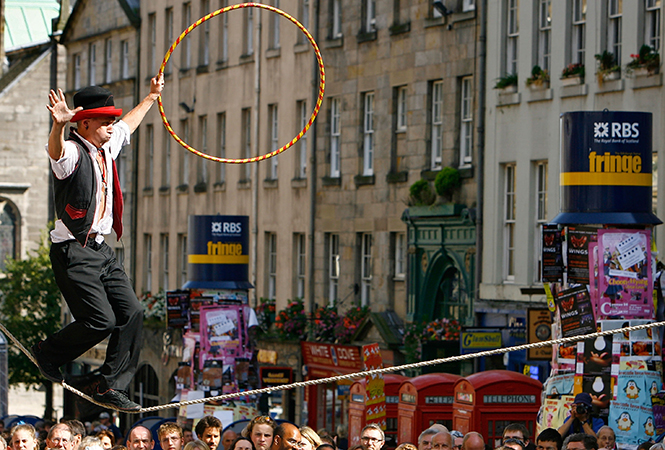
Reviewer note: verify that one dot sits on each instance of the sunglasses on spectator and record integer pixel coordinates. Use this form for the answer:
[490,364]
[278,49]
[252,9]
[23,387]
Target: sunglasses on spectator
[514,441]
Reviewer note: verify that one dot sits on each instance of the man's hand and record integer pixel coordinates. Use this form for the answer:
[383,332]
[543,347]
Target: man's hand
[156,86]
[59,110]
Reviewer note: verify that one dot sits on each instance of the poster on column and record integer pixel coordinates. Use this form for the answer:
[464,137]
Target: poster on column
[625,286]
[594,372]
[631,414]
[593,277]
[552,254]
[638,350]
[220,334]
[579,239]
[575,312]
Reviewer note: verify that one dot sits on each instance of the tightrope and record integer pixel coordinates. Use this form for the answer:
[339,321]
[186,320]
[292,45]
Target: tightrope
[297,384]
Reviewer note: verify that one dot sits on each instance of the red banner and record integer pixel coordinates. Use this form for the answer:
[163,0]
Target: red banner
[375,399]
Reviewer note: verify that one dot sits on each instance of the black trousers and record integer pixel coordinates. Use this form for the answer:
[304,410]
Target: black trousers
[103,303]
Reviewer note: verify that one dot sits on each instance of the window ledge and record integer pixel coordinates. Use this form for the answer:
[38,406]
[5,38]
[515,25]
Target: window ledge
[301,47]
[334,42]
[219,186]
[399,278]
[270,183]
[574,91]
[647,81]
[201,187]
[273,53]
[184,73]
[222,64]
[366,36]
[165,190]
[202,68]
[182,189]
[434,22]
[461,16]
[147,191]
[509,98]
[466,171]
[364,180]
[610,86]
[397,177]
[246,59]
[299,183]
[245,184]
[429,174]
[331,181]
[400,28]
[539,95]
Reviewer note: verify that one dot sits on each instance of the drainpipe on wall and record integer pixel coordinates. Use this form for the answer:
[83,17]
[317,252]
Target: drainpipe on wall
[482,69]
[313,168]
[255,166]
[134,194]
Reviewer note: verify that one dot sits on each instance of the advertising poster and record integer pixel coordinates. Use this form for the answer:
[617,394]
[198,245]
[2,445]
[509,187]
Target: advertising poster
[220,333]
[552,254]
[374,385]
[631,414]
[539,324]
[551,413]
[560,384]
[177,309]
[575,312]
[638,350]
[658,406]
[625,285]
[593,277]
[579,239]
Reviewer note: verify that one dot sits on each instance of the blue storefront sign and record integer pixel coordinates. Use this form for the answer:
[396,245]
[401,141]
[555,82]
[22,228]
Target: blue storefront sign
[606,168]
[218,252]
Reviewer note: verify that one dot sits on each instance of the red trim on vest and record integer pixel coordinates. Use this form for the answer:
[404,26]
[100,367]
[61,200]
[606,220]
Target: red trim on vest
[75,213]
[118,204]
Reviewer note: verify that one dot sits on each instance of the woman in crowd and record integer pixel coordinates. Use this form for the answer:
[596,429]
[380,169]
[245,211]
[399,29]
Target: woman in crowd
[107,438]
[91,443]
[260,431]
[24,437]
[311,440]
[196,444]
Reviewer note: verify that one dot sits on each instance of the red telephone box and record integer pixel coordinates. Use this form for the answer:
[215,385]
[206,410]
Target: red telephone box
[424,401]
[357,410]
[488,401]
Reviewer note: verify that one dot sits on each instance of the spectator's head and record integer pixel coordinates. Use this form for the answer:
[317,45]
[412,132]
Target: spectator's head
[105,418]
[582,403]
[140,438]
[91,443]
[473,441]
[372,437]
[517,431]
[3,443]
[78,432]
[310,440]
[580,441]
[549,439]
[645,445]
[107,438]
[209,430]
[187,435]
[170,436]
[406,446]
[458,437]
[242,443]
[228,438]
[260,431]
[196,444]
[514,444]
[606,437]
[287,437]
[59,437]
[442,441]
[425,439]
[326,446]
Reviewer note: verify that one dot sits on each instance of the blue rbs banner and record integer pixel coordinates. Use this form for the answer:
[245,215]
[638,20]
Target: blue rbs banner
[606,173]
[218,252]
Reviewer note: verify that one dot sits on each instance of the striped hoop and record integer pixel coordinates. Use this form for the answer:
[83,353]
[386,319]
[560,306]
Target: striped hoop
[322,85]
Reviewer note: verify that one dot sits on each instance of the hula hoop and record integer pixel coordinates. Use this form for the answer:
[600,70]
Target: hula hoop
[322,85]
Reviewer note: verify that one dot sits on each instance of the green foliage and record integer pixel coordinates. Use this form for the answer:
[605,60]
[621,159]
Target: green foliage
[29,308]
[573,70]
[647,58]
[538,76]
[506,80]
[421,194]
[607,62]
[447,181]
[291,322]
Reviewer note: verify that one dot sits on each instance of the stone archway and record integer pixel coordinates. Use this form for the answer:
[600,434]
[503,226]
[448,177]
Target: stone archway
[445,290]
[9,231]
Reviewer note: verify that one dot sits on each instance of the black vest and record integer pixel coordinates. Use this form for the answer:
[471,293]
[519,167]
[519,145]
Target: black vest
[75,195]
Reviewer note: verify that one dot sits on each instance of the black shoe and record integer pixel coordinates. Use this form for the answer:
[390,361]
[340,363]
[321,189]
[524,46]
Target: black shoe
[116,400]
[49,370]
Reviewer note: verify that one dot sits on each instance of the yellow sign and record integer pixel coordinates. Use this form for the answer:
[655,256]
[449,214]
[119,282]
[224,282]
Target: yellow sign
[477,340]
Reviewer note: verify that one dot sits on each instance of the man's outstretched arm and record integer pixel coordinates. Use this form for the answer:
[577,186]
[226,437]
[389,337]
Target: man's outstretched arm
[134,117]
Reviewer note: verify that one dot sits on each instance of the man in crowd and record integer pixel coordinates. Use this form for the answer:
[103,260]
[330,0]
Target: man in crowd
[105,420]
[549,439]
[519,432]
[227,439]
[209,430]
[59,437]
[580,420]
[580,441]
[188,435]
[372,437]
[78,431]
[425,439]
[442,441]
[606,438]
[473,441]
[140,438]
[170,436]
[287,437]
[458,437]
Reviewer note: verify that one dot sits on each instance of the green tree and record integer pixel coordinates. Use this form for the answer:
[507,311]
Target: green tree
[30,309]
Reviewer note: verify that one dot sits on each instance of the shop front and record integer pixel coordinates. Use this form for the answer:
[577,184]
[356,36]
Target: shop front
[328,404]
